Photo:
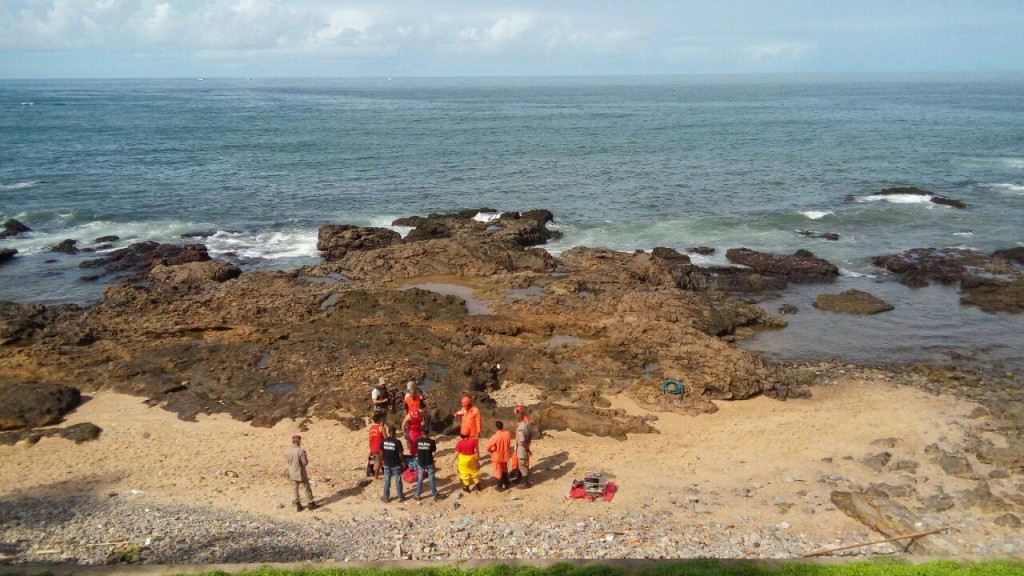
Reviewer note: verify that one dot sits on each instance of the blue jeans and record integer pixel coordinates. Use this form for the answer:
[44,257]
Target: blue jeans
[390,471]
[429,471]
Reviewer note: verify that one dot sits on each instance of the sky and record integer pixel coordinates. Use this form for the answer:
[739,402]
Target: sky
[416,38]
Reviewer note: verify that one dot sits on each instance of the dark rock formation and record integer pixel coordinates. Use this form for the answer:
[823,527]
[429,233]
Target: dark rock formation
[994,283]
[32,405]
[194,272]
[198,234]
[13,227]
[337,240]
[919,192]
[7,254]
[104,239]
[138,259]
[519,228]
[77,433]
[820,235]
[66,247]
[789,309]
[670,255]
[852,302]
[801,268]
[702,250]
[1011,254]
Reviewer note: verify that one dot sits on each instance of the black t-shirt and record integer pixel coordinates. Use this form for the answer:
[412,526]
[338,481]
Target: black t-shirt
[425,448]
[391,452]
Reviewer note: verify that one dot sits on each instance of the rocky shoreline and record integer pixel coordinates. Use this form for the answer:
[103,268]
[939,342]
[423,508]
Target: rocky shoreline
[467,303]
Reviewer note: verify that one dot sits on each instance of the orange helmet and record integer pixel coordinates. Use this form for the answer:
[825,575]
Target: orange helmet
[518,409]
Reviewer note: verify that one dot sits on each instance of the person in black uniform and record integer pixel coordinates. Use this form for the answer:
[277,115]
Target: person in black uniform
[391,452]
[425,449]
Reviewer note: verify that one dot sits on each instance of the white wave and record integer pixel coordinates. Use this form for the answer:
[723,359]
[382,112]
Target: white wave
[852,274]
[963,233]
[817,214]
[1011,188]
[21,185]
[269,245]
[897,198]
[486,217]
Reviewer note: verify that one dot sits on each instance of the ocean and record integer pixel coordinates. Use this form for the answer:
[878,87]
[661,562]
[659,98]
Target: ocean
[625,163]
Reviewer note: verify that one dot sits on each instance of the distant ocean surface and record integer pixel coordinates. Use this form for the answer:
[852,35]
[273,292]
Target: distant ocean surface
[624,163]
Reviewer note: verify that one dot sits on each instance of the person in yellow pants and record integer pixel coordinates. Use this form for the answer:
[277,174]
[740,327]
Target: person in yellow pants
[466,451]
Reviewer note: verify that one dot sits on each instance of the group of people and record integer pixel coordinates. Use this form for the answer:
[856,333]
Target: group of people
[510,456]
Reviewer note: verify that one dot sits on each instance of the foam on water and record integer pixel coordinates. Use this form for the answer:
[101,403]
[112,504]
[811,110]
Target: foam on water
[1005,187]
[21,185]
[817,214]
[897,198]
[486,217]
[265,245]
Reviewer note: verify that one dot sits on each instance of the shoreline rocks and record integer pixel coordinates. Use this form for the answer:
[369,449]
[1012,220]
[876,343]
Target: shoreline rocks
[13,227]
[337,240]
[933,197]
[31,405]
[137,260]
[802,267]
[7,255]
[852,302]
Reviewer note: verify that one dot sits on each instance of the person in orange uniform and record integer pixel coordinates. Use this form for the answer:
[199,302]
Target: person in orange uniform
[413,398]
[470,416]
[499,446]
[376,436]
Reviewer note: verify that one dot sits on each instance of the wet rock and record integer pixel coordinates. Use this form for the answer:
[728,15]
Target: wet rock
[993,294]
[138,259]
[878,461]
[337,240]
[935,198]
[198,234]
[522,229]
[701,250]
[670,254]
[789,309]
[1015,254]
[852,302]
[66,247]
[7,254]
[13,227]
[19,322]
[832,236]
[32,405]
[883,514]
[105,239]
[1008,520]
[802,267]
[943,265]
[194,273]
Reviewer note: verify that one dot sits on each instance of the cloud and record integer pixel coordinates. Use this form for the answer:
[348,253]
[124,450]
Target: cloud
[786,51]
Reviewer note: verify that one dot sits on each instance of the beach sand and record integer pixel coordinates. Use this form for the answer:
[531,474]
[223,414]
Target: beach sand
[753,464]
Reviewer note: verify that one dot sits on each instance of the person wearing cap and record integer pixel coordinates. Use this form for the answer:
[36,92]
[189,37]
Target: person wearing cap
[295,456]
[380,396]
[499,447]
[413,398]
[524,438]
[470,416]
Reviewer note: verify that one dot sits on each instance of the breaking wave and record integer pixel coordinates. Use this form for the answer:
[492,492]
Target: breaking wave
[21,185]
[1011,188]
[896,198]
[817,214]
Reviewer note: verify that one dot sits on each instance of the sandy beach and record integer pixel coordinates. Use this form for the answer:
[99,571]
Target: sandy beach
[752,480]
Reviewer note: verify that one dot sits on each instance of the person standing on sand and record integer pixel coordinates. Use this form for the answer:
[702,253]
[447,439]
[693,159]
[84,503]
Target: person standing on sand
[413,399]
[499,446]
[524,438]
[412,427]
[470,416]
[376,437]
[391,450]
[380,396]
[467,459]
[425,448]
[295,456]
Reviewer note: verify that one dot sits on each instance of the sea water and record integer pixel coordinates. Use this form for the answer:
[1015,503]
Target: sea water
[624,163]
